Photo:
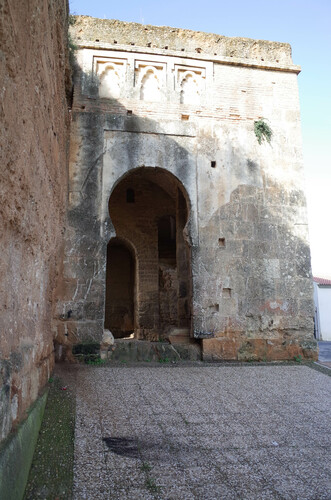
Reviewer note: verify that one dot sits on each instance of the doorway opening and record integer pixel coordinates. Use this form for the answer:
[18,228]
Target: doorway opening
[149,294]
[120,284]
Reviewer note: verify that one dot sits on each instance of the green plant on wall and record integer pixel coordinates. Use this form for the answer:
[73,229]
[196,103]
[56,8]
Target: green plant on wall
[262,131]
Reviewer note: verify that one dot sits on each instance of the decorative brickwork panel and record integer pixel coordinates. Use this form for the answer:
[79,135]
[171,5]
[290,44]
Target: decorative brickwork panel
[190,82]
[150,80]
[111,74]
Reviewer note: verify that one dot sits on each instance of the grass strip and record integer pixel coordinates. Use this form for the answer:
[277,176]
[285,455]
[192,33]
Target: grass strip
[51,473]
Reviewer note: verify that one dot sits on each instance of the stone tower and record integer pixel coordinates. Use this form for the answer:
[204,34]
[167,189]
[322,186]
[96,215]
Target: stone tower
[180,215]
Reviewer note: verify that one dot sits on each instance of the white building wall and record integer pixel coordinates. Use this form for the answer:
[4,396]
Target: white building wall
[324,311]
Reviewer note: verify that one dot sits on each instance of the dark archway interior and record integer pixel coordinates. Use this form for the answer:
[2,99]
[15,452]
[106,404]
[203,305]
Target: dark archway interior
[148,209]
[167,238]
[120,277]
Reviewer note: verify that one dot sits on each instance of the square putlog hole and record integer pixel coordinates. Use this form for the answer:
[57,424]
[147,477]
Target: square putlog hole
[226,293]
[221,242]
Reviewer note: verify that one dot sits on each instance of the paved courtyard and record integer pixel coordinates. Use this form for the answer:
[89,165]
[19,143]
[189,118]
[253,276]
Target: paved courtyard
[201,432]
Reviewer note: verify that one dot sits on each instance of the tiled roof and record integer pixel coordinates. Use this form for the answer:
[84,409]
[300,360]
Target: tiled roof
[321,281]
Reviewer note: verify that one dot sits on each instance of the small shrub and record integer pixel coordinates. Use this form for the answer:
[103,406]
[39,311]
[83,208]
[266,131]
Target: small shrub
[96,361]
[146,467]
[262,131]
[164,360]
[151,485]
[71,20]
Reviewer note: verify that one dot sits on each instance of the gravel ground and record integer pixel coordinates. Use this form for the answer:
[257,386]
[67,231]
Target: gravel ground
[201,432]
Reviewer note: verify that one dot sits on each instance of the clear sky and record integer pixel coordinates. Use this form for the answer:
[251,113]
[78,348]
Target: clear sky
[306,25]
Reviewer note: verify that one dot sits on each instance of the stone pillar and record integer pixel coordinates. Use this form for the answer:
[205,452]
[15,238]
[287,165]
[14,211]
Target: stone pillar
[183,267]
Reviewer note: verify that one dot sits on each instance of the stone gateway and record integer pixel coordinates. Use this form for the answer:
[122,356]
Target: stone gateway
[186,209]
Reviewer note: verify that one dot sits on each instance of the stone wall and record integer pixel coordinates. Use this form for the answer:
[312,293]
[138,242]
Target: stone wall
[186,103]
[34,78]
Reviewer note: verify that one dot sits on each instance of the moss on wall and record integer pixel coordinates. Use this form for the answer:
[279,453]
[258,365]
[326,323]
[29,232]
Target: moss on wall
[17,451]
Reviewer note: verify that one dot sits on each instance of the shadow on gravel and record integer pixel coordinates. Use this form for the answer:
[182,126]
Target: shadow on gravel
[126,447]
[136,448]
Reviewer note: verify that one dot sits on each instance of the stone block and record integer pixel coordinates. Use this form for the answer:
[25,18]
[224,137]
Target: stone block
[310,350]
[220,349]
[253,350]
[89,331]
[107,340]
[281,350]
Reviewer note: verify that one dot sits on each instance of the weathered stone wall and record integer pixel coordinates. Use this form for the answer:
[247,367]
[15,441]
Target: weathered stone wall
[113,32]
[33,180]
[186,102]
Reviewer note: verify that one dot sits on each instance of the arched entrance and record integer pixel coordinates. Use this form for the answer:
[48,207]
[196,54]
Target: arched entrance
[149,208]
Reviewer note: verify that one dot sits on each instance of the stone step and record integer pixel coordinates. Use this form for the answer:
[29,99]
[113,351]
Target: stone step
[180,339]
[180,336]
[180,331]
[126,350]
